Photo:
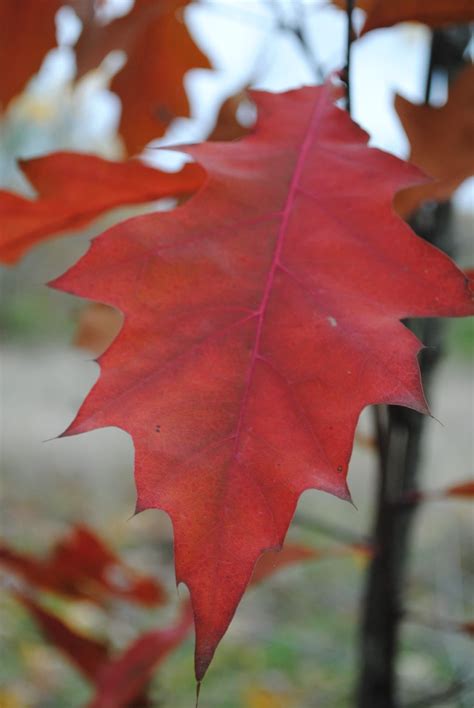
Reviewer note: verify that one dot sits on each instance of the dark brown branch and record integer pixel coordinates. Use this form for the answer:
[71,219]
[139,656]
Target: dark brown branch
[399,435]
[400,438]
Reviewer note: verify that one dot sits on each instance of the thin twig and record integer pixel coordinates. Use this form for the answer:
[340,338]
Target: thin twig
[429,72]
[338,533]
[300,34]
[440,624]
[455,689]
[350,37]
[307,48]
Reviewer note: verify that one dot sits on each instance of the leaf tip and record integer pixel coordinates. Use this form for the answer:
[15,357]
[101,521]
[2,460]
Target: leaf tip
[346,495]
[201,665]
[198,691]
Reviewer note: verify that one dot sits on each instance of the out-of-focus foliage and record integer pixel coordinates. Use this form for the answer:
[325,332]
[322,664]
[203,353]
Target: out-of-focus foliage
[442,143]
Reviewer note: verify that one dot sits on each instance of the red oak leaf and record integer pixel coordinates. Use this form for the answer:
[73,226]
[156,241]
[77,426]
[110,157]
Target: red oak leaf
[82,566]
[73,189]
[260,319]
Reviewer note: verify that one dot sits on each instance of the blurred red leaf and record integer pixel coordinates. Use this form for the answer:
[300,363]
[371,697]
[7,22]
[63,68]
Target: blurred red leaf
[461,490]
[435,13]
[126,677]
[81,566]
[261,317]
[121,680]
[441,141]
[465,489]
[27,33]
[159,52]
[98,326]
[272,561]
[468,628]
[88,655]
[74,189]
[228,125]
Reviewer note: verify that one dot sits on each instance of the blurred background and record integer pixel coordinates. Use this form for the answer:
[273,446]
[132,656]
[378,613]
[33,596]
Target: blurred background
[292,643]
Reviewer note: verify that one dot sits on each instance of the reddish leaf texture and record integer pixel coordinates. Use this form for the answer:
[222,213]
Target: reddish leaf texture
[73,189]
[260,318]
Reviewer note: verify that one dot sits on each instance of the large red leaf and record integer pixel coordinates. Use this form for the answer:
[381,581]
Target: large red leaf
[260,319]
[159,52]
[73,189]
